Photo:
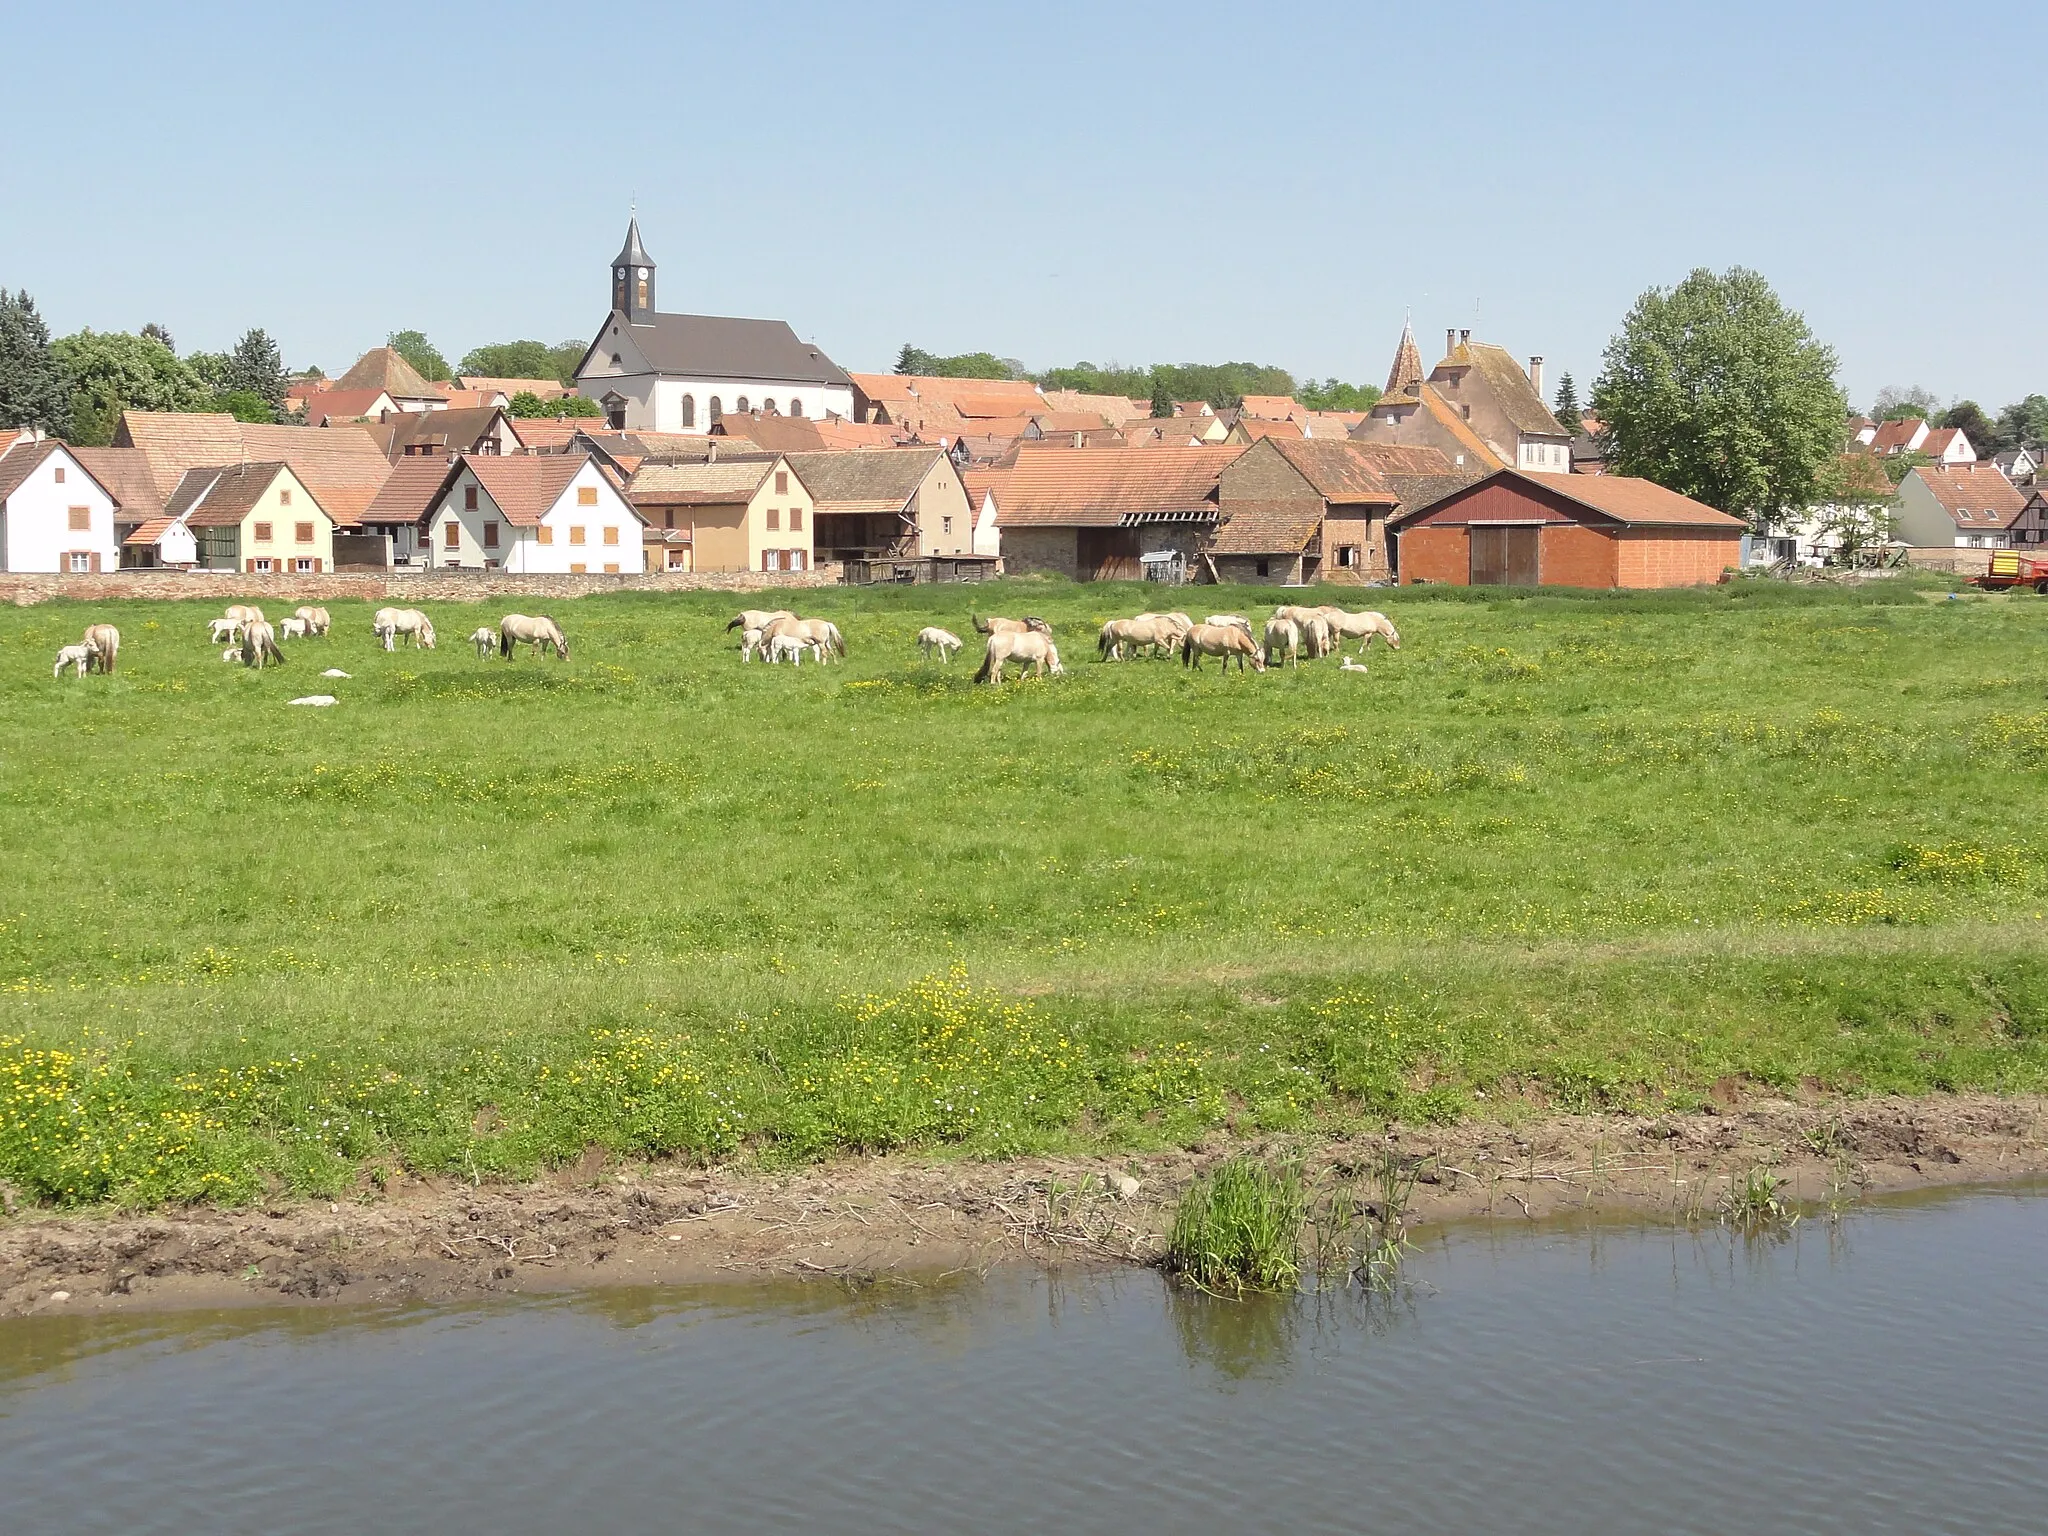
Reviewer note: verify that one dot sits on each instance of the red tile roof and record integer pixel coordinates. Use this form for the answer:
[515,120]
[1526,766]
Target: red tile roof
[1893,436]
[342,466]
[1630,500]
[1976,488]
[525,486]
[1103,487]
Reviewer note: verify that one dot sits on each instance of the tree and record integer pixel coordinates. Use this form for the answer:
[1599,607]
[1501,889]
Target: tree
[965,365]
[517,360]
[1718,391]
[245,405]
[414,347]
[256,368]
[913,360]
[107,373]
[527,403]
[2022,424]
[1162,402]
[1566,410]
[162,333]
[1899,404]
[1333,395]
[33,392]
[210,368]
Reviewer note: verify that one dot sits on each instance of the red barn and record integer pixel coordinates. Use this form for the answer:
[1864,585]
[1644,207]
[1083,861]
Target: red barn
[1517,530]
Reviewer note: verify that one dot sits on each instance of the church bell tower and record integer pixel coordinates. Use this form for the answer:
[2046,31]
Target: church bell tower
[633,279]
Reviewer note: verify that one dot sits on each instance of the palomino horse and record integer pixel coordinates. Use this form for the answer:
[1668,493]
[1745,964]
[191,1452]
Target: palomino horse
[1009,626]
[1025,647]
[1152,632]
[316,620]
[242,613]
[389,623]
[1237,619]
[1180,624]
[932,638]
[788,644]
[259,642]
[220,631]
[756,618]
[1283,638]
[517,629]
[79,656]
[822,634]
[1361,627]
[1225,640]
[485,640]
[105,641]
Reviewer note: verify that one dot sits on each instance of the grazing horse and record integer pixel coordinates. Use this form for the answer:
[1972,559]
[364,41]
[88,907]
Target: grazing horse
[105,641]
[755,618]
[1225,640]
[1283,637]
[1316,636]
[1236,619]
[389,623]
[242,613]
[1008,626]
[788,643]
[224,629]
[1146,632]
[1361,627]
[517,629]
[932,638]
[485,640]
[259,641]
[1021,646]
[292,629]
[79,656]
[821,634]
[317,621]
[233,652]
[1178,623]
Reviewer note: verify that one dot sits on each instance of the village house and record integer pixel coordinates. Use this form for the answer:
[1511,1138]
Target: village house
[1860,517]
[1478,407]
[383,370]
[1295,511]
[440,434]
[502,391]
[681,373]
[1522,530]
[147,537]
[2019,465]
[335,405]
[259,519]
[1093,514]
[1113,409]
[888,503]
[2029,530]
[341,465]
[731,512]
[529,514]
[55,515]
[1957,506]
[936,409]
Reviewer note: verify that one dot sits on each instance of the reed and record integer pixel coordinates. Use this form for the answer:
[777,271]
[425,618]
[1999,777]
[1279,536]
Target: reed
[1238,1228]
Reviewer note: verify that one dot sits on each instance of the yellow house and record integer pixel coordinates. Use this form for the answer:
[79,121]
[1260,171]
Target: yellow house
[255,518]
[737,512]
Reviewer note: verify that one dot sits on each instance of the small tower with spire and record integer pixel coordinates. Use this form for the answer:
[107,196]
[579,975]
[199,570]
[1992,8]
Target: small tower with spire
[633,278]
[1406,375]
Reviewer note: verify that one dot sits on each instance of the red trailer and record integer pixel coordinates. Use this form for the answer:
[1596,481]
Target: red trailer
[2011,569]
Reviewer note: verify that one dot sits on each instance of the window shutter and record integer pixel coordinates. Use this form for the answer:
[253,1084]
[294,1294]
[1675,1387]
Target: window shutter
[95,562]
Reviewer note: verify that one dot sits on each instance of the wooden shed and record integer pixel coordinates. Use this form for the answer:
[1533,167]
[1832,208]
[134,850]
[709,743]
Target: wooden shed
[1519,530]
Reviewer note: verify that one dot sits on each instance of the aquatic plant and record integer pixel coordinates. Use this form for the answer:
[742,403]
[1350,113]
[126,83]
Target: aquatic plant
[1238,1228]
[1753,1206]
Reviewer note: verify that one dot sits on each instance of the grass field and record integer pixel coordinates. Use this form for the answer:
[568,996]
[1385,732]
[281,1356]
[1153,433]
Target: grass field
[1561,850]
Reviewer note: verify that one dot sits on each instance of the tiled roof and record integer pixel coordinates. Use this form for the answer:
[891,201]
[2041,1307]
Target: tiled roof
[343,466]
[1897,435]
[1267,527]
[1163,432]
[1336,424]
[220,496]
[724,347]
[1115,409]
[873,480]
[546,389]
[19,461]
[1102,487]
[980,482]
[383,368]
[1069,421]
[1977,488]
[1271,407]
[1512,391]
[414,484]
[346,405]
[1256,428]
[1340,472]
[125,474]
[1630,500]
[149,531]
[525,486]
[555,431]
[450,431]
[1406,374]
[712,483]
[1940,440]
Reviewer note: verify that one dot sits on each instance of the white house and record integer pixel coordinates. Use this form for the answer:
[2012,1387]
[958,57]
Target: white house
[532,513]
[654,372]
[54,515]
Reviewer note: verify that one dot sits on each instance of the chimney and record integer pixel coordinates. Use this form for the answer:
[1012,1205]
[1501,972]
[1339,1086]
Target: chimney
[712,456]
[1464,337]
[1536,374]
[1450,340]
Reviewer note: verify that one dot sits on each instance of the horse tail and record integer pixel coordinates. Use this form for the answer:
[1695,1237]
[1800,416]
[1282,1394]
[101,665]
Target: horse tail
[981,625]
[981,674]
[505,642]
[736,623]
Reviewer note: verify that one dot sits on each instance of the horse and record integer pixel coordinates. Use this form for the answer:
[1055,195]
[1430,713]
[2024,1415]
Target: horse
[1283,637]
[1315,635]
[242,613]
[1361,627]
[751,640]
[105,641]
[1147,631]
[1225,640]
[994,626]
[517,629]
[259,641]
[788,643]
[390,623]
[79,656]
[292,629]
[485,640]
[932,638]
[223,629]
[317,621]
[821,634]
[1236,620]
[755,618]
[1178,623]
[233,652]
[1022,646]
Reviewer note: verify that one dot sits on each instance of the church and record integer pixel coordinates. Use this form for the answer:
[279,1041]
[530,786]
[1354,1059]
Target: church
[652,372]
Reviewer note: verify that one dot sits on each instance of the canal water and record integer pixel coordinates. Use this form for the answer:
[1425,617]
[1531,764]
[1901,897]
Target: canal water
[1885,1373]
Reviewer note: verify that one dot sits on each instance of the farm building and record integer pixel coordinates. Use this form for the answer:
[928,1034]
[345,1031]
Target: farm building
[1092,513]
[737,512]
[1297,510]
[887,503]
[1517,530]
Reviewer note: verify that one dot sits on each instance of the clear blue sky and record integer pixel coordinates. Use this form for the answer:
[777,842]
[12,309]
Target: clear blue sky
[1190,182]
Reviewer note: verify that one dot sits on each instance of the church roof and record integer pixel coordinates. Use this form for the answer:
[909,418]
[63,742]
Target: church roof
[1406,373]
[717,347]
[632,253]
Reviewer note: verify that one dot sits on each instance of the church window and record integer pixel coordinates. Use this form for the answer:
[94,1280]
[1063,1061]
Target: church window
[689,411]
[796,406]
[741,405]
[768,405]
[717,408]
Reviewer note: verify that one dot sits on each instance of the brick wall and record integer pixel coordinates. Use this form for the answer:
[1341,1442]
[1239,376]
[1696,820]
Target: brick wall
[1243,570]
[1573,555]
[24,590]
[1430,553]
[1031,551]
[1674,557]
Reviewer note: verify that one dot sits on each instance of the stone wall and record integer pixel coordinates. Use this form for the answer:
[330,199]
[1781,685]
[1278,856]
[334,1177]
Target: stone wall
[443,586]
[1030,551]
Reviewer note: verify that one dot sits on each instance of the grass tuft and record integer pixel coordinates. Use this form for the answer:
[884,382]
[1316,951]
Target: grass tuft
[1238,1229]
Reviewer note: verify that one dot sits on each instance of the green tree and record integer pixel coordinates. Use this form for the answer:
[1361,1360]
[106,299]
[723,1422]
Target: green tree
[256,367]
[33,390]
[245,405]
[508,360]
[1896,403]
[108,372]
[1334,395]
[210,368]
[1976,426]
[527,403]
[414,347]
[1718,391]
[162,333]
[966,365]
[1566,408]
[2022,424]
[1162,402]
[913,360]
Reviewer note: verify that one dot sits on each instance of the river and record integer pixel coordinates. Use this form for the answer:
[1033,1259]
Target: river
[1887,1372]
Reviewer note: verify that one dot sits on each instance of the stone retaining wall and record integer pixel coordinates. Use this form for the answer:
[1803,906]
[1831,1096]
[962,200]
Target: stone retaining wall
[23,590]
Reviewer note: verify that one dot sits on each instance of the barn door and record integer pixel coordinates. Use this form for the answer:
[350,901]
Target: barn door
[1108,554]
[1489,557]
[1522,545]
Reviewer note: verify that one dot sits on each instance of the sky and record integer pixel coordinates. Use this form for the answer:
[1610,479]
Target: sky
[1192,183]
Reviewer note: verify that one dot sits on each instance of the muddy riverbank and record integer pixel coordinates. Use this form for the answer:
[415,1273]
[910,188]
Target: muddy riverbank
[601,1223]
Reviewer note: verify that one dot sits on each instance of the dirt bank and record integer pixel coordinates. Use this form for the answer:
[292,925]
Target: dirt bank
[600,1224]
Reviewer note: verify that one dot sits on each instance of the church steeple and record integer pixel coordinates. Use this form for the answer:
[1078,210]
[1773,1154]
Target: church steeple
[633,277]
[1406,373]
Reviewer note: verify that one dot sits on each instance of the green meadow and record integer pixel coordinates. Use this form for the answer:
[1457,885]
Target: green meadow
[1574,851]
